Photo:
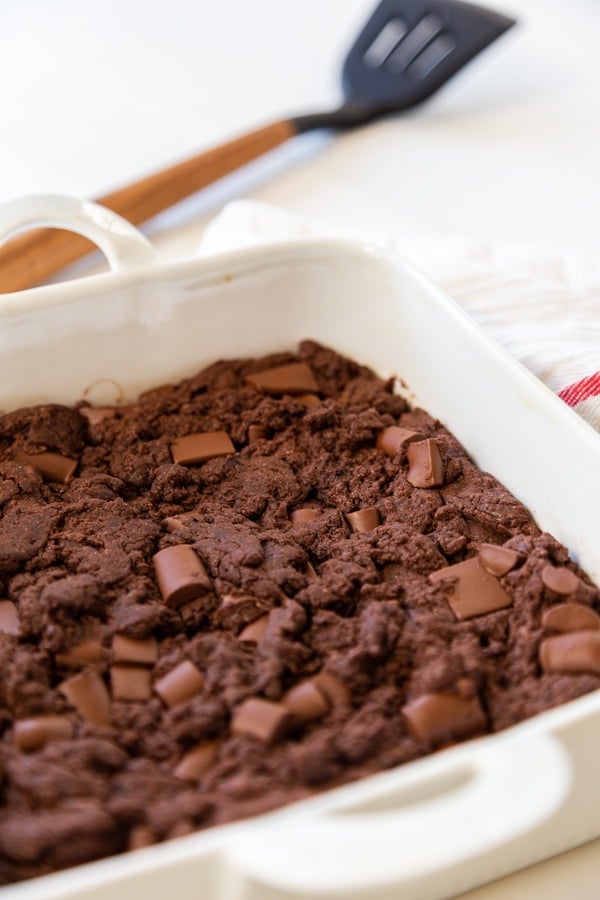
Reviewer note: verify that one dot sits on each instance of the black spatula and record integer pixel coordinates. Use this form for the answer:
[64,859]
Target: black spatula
[407,50]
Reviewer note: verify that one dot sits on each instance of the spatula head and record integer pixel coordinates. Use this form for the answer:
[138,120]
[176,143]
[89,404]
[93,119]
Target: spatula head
[410,48]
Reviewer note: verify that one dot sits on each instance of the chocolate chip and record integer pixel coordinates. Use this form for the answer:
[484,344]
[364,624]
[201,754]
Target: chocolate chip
[306,514]
[262,719]
[130,683]
[560,580]
[441,718]
[498,560]
[333,689]
[395,440]
[31,734]
[253,632]
[572,653]
[191,766]
[9,618]
[570,617]
[475,592]
[296,378]
[88,694]
[179,684]
[180,574]
[306,701]
[196,448]
[364,519]
[51,466]
[86,653]
[257,433]
[425,466]
[130,650]
[309,400]
[140,836]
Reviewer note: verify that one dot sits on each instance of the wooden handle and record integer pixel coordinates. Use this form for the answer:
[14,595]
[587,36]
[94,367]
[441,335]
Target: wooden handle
[34,256]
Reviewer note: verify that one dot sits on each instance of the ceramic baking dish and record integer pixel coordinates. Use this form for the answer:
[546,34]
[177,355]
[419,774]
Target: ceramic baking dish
[430,828]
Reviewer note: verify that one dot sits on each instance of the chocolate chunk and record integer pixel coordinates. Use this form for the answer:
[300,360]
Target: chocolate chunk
[296,378]
[262,719]
[560,580]
[364,519]
[570,617]
[179,684]
[257,433]
[130,650]
[395,440]
[51,466]
[180,574]
[88,694]
[130,683]
[442,718]
[498,560]
[196,448]
[9,618]
[333,689]
[309,400]
[572,653]
[140,836]
[97,414]
[191,766]
[31,734]
[425,466]
[172,524]
[307,514]
[253,632]
[475,592]
[306,701]
[86,653]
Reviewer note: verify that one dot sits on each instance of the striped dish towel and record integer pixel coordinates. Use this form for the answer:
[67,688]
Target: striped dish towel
[543,306]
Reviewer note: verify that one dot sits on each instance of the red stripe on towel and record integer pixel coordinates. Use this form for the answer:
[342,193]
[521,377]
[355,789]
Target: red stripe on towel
[581,390]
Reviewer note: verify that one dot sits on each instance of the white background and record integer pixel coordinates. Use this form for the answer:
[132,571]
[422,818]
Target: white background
[96,93]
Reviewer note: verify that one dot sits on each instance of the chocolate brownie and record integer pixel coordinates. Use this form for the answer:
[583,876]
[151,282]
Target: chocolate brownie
[267,580]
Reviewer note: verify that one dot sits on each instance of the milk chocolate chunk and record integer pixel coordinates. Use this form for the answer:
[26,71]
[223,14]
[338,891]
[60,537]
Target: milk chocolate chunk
[306,701]
[570,617]
[9,618]
[560,580]
[31,734]
[257,433]
[395,440]
[440,718]
[425,466]
[333,689]
[197,448]
[88,694]
[86,653]
[261,719]
[364,519]
[307,514]
[572,653]
[140,836]
[179,684]
[475,592]
[253,632]
[180,574]
[309,400]
[52,466]
[191,766]
[172,524]
[131,650]
[498,560]
[295,378]
[130,683]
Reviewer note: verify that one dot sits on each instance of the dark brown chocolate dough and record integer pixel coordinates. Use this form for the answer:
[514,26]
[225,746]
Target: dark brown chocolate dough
[188,638]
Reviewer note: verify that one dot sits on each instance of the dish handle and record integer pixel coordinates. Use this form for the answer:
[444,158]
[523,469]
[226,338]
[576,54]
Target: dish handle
[406,841]
[123,245]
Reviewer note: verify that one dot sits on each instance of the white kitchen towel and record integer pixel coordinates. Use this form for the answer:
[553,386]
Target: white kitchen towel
[541,304]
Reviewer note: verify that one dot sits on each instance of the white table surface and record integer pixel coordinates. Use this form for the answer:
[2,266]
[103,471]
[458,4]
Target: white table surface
[96,93]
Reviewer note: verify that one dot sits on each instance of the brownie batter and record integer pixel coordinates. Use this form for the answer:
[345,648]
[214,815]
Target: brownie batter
[268,580]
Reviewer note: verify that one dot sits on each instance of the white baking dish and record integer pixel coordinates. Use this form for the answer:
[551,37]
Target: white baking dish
[428,829]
